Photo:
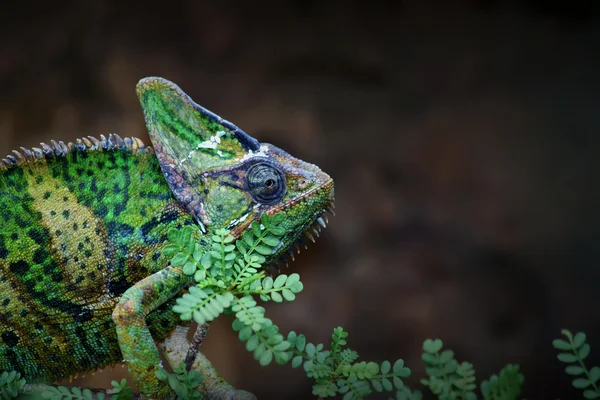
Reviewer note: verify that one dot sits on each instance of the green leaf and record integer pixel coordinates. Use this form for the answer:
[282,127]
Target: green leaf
[581,383]
[276,219]
[173,235]
[267,283]
[248,238]
[574,370]
[276,297]
[280,281]
[256,231]
[264,250]
[266,358]
[446,356]
[398,366]
[377,385]
[560,344]
[387,385]
[301,342]
[385,367]
[310,349]
[579,339]
[170,250]
[206,261]
[432,346]
[252,343]
[566,357]
[189,268]
[398,382]
[591,394]
[297,361]
[594,374]
[271,241]
[288,295]
[583,351]
[179,259]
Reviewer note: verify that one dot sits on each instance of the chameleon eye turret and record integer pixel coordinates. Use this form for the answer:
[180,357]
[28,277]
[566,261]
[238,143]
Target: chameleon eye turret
[265,183]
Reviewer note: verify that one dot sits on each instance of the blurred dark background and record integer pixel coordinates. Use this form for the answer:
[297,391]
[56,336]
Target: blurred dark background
[462,136]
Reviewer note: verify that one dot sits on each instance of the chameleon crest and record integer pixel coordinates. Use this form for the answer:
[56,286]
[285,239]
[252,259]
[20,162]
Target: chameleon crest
[83,281]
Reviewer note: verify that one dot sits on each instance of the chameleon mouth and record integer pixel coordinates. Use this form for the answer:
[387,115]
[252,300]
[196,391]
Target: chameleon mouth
[309,234]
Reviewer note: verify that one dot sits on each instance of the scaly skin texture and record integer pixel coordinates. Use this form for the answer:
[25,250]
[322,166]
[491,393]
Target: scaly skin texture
[83,282]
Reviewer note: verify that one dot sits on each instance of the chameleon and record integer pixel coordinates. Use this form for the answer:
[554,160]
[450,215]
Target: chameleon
[83,281]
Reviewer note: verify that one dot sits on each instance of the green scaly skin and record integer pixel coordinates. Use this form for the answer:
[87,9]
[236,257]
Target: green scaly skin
[83,282]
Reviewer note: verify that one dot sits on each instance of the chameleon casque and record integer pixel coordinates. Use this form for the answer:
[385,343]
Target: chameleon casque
[83,283]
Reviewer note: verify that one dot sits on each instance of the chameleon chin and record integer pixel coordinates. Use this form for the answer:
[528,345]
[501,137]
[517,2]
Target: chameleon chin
[83,281]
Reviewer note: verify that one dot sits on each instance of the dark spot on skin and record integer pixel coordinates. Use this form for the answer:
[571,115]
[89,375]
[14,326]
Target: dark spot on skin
[3,249]
[81,185]
[38,326]
[118,287]
[51,268]
[102,210]
[14,236]
[219,208]
[40,236]
[93,186]
[66,214]
[79,171]
[40,255]
[58,233]
[87,253]
[65,198]
[156,256]
[53,213]
[79,279]
[5,302]
[24,313]
[75,226]
[19,268]
[80,246]
[39,179]
[92,276]
[20,221]
[53,357]
[47,195]
[85,224]
[10,338]
[118,229]
[119,208]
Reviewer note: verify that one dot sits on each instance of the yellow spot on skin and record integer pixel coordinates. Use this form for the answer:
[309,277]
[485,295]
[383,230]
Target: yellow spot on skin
[78,237]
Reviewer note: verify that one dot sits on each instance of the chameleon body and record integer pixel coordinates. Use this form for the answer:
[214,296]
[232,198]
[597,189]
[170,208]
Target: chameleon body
[83,282]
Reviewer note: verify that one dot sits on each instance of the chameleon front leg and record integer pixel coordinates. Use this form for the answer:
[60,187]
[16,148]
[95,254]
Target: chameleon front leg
[135,341]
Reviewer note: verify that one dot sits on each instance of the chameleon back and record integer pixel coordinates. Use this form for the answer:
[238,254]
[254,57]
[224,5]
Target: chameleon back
[79,225]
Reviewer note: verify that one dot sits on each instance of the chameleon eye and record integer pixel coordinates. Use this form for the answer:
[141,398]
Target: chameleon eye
[265,183]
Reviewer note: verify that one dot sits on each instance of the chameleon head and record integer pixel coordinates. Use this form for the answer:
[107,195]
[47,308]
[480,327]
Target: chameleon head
[226,178]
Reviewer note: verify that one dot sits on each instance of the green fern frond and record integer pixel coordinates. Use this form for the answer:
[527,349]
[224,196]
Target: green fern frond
[11,384]
[574,351]
[505,386]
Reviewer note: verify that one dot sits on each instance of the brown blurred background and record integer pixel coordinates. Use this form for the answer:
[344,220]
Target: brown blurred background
[462,136]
